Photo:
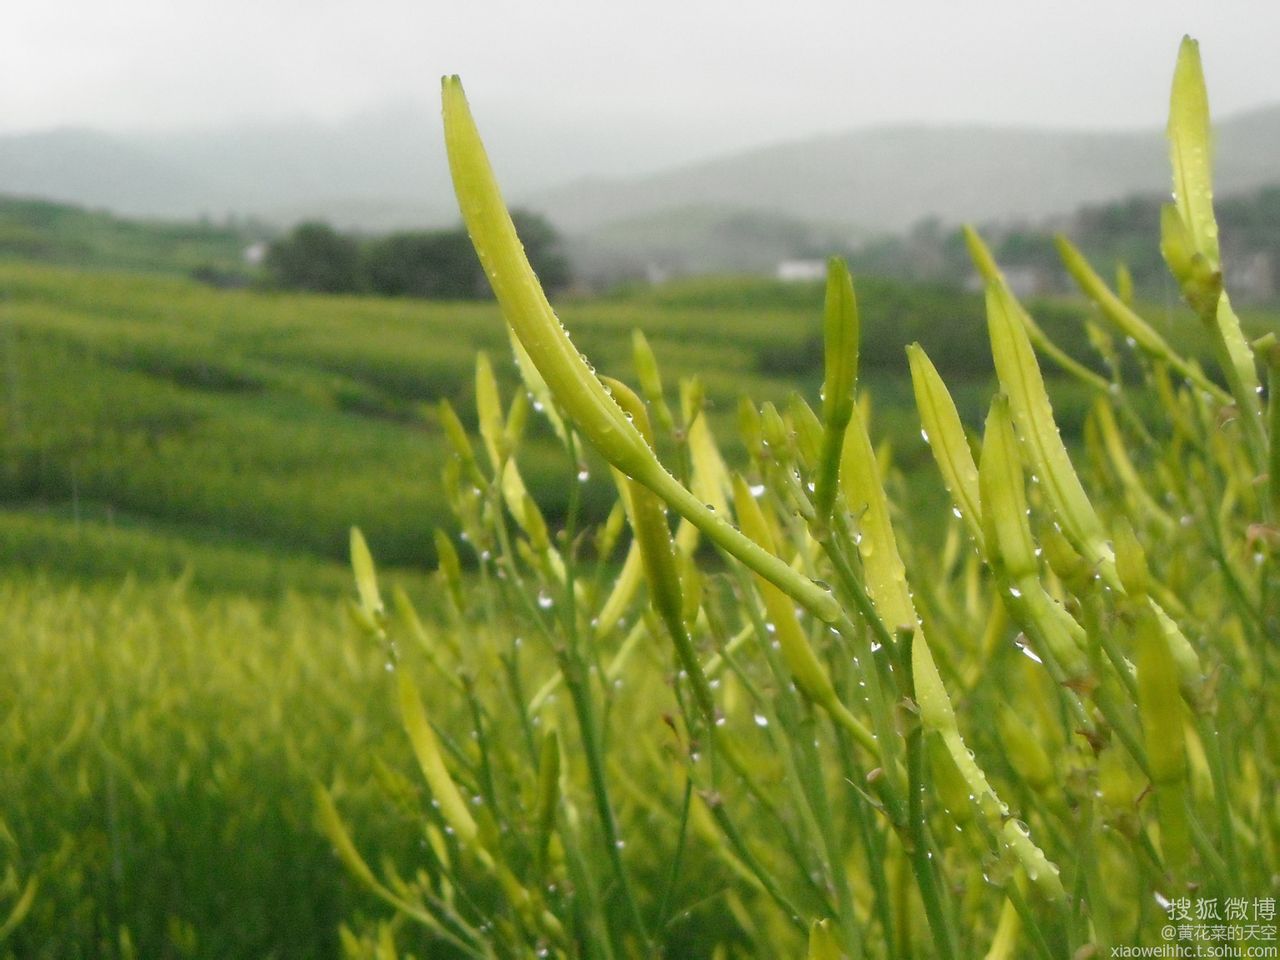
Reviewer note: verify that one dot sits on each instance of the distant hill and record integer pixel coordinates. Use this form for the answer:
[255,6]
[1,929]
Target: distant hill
[386,170]
[374,173]
[60,233]
[887,179]
[381,170]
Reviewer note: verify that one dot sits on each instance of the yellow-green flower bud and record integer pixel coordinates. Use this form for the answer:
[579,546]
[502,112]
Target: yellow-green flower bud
[1022,382]
[608,533]
[991,274]
[566,373]
[840,338]
[489,412]
[1201,283]
[1004,500]
[946,438]
[534,525]
[840,335]
[1131,560]
[1124,283]
[1160,709]
[571,381]
[366,578]
[454,809]
[808,430]
[517,417]
[650,380]
[774,429]
[458,439]
[692,398]
[449,564]
[1191,152]
[1063,560]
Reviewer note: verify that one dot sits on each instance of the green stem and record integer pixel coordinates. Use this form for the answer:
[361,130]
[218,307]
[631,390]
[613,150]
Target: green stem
[575,680]
[677,859]
[816,793]
[920,848]
[573,667]
[1221,798]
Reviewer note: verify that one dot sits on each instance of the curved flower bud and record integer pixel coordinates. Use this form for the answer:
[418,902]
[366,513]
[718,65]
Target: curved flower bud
[1190,150]
[1022,381]
[840,334]
[945,435]
[571,381]
[566,373]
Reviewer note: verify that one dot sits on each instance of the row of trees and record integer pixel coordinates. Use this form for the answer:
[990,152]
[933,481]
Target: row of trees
[1122,230]
[435,264]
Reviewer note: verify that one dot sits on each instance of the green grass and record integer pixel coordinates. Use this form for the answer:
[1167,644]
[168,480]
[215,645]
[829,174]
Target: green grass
[159,750]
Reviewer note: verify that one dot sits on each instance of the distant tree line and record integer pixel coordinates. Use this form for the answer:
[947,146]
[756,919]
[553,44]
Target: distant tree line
[432,264]
[1125,230]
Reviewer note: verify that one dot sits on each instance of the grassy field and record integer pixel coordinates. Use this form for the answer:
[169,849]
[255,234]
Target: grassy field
[150,412]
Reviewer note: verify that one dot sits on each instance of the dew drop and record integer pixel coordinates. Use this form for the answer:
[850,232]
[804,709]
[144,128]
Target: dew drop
[1027,651]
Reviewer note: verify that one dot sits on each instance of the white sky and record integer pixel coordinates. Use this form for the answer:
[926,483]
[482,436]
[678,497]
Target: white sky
[745,71]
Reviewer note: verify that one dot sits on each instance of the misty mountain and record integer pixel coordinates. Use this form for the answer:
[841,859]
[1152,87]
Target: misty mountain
[357,174]
[886,179]
[386,170]
[381,170]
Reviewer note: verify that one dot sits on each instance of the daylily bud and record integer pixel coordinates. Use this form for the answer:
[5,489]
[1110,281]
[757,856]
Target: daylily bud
[426,748]
[946,439]
[807,428]
[1021,380]
[489,412]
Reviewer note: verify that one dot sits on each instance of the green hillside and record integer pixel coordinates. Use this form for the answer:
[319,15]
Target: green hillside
[48,232]
[152,423]
[158,408]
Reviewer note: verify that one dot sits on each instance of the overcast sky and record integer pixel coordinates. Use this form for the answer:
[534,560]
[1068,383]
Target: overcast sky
[734,72]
